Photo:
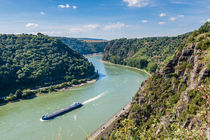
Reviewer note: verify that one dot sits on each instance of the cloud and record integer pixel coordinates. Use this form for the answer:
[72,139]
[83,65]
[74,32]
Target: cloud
[84,28]
[74,7]
[180,16]
[117,25]
[172,19]
[31,25]
[162,14]
[205,20]
[64,6]
[42,13]
[144,21]
[137,3]
[179,2]
[91,26]
[176,18]
[76,30]
[161,22]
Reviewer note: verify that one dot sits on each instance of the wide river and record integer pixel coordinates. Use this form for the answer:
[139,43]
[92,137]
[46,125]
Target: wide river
[102,99]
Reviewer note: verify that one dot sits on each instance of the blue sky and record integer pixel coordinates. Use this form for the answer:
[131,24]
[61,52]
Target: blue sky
[106,19]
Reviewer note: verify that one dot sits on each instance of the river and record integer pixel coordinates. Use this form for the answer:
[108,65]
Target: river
[102,99]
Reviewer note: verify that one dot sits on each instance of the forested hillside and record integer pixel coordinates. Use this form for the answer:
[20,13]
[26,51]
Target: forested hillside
[174,102]
[37,60]
[84,47]
[146,53]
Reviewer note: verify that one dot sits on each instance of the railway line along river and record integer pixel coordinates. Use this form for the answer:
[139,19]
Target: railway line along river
[113,90]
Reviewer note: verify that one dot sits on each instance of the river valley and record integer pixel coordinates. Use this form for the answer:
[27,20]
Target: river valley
[114,89]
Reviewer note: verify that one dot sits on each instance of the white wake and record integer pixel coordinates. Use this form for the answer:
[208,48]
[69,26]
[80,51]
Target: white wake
[94,98]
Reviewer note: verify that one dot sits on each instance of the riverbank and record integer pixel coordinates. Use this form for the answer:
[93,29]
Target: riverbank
[102,100]
[126,67]
[104,128]
[32,93]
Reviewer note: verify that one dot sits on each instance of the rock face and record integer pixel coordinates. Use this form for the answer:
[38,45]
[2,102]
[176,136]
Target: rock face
[173,102]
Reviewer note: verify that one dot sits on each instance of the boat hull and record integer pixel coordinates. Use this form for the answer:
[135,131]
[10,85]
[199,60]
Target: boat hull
[61,111]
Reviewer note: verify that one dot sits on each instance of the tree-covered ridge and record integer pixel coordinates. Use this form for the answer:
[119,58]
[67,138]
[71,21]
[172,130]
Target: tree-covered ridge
[84,47]
[146,53]
[174,102]
[38,60]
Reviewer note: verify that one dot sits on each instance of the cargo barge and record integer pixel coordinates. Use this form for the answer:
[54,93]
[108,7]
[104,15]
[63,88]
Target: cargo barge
[61,111]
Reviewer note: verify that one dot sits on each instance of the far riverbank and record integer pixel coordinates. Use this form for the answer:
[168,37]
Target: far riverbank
[126,67]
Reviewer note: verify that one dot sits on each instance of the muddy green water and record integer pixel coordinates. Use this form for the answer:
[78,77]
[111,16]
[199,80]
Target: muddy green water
[102,99]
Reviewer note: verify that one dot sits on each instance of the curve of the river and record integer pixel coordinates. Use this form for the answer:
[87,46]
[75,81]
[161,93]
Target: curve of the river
[102,99]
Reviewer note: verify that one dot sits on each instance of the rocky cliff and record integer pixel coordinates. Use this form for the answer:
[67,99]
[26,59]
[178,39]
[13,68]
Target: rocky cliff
[173,102]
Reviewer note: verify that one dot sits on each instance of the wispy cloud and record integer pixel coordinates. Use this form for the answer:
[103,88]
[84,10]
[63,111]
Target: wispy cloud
[91,27]
[161,22]
[144,21]
[162,14]
[117,25]
[205,20]
[74,7]
[42,13]
[176,18]
[31,25]
[172,19]
[179,2]
[137,3]
[84,28]
[180,16]
[64,6]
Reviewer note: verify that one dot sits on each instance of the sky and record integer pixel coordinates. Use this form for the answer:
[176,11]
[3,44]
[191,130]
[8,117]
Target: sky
[104,19]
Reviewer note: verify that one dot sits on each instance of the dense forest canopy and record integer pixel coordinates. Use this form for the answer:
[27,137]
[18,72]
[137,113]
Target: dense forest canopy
[84,47]
[146,53]
[32,60]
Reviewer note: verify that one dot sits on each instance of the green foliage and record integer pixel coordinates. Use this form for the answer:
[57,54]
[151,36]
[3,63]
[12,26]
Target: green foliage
[182,66]
[137,62]
[152,67]
[146,53]
[203,45]
[204,29]
[29,61]
[115,59]
[84,47]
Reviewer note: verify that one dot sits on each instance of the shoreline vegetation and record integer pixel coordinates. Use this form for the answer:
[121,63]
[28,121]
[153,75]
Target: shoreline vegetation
[29,62]
[32,93]
[107,62]
[142,70]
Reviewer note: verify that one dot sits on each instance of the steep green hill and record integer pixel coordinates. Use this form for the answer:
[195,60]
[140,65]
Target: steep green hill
[36,60]
[174,102]
[84,47]
[146,53]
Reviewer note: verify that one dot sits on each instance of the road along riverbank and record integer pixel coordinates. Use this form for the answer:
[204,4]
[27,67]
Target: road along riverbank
[102,129]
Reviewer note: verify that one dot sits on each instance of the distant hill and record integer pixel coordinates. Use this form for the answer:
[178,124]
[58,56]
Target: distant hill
[37,60]
[85,45]
[149,53]
[91,39]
